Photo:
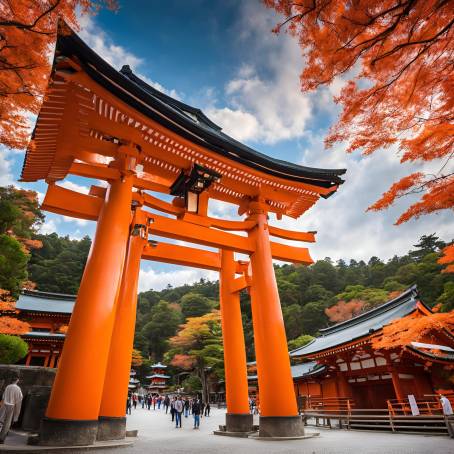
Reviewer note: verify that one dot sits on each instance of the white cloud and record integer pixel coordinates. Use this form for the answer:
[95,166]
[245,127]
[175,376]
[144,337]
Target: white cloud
[6,175]
[345,229]
[99,41]
[48,226]
[81,222]
[155,280]
[75,187]
[114,54]
[235,122]
[264,100]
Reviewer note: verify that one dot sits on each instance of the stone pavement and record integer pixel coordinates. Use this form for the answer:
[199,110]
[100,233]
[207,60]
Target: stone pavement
[158,435]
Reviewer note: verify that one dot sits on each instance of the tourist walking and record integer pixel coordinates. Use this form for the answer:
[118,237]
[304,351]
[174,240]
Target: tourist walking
[186,407]
[446,405]
[172,408]
[128,405]
[207,409]
[202,407]
[10,407]
[149,401]
[179,405]
[167,403]
[159,402]
[134,400]
[196,413]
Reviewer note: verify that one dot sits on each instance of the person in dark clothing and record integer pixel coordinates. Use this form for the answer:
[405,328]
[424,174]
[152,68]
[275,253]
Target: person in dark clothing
[172,408]
[167,403]
[196,413]
[186,407]
[202,407]
[207,409]
[128,405]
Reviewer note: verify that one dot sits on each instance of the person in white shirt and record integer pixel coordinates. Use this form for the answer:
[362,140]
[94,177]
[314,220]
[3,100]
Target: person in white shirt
[179,405]
[10,407]
[446,405]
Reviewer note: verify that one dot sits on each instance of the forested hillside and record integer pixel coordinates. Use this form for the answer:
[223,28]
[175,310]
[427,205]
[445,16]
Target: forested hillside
[182,325]
[312,297]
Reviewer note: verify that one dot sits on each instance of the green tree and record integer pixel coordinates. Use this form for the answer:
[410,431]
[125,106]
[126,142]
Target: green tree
[426,245]
[192,384]
[19,212]
[13,264]
[59,264]
[195,305]
[313,317]
[446,299]
[163,323]
[12,349]
[292,320]
[300,341]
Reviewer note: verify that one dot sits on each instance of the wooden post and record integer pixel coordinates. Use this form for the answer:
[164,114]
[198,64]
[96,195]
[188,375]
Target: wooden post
[112,421]
[277,396]
[396,384]
[238,418]
[72,413]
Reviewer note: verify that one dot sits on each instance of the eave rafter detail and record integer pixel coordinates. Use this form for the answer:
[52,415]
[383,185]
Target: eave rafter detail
[103,122]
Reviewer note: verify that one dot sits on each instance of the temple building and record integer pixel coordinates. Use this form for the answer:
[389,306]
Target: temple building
[48,315]
[134,383]
[158,383]
[342,363]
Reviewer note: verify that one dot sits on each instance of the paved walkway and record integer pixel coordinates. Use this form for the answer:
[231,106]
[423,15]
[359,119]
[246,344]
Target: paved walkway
[158,435]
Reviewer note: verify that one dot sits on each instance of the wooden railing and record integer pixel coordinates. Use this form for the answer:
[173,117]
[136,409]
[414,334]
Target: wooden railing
[334,412]
[340,404]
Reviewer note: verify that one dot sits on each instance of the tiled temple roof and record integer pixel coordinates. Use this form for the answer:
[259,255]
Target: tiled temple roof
[362,325]
[35,301]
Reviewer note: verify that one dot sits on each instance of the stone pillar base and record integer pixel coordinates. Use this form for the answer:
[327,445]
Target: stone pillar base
[238,422]
[281,426]
[111,428]
[67,432]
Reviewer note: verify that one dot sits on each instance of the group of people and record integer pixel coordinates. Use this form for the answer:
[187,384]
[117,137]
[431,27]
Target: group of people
[195,407]
[147,401]
[177,406]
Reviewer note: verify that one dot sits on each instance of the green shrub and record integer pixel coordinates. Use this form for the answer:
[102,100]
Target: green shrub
[12,349]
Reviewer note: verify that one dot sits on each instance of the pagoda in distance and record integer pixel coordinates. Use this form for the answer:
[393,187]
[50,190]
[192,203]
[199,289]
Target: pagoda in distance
[158,378]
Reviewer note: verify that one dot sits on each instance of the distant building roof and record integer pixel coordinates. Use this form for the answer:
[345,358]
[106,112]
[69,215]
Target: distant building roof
[362,325]
[158,376]
[44,335]
[301,370]
[158,366]
[36,301]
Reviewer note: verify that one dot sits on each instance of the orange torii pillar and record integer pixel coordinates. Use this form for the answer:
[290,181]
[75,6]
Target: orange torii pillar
[112,420]
[72,413]
[277,400]
[238,417]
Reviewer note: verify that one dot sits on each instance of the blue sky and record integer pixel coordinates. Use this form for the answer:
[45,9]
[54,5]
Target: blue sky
[222,57]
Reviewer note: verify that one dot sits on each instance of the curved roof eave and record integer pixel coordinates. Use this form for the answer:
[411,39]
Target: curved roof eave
[207,135]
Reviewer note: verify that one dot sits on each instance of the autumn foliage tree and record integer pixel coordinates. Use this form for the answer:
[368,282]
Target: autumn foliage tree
[198,346]
[395,59]
[9,324]
[414,328]
[27,33]
[344,310]
[137,359]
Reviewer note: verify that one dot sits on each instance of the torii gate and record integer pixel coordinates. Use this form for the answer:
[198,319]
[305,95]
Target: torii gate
[106,125]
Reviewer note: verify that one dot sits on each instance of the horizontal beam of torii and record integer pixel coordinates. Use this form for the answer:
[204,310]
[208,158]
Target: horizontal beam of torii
[71,203]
